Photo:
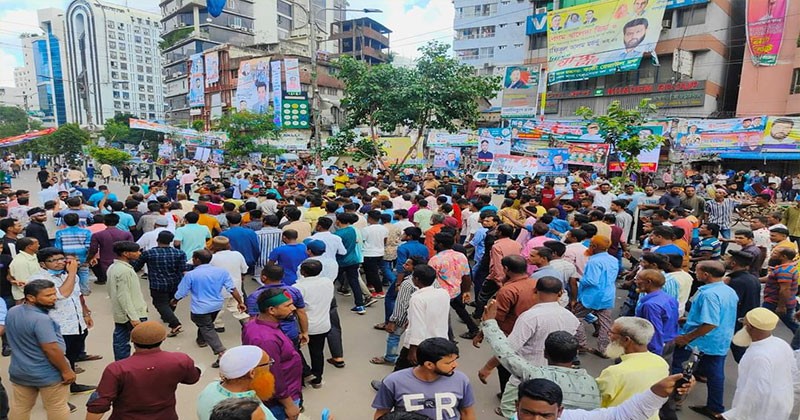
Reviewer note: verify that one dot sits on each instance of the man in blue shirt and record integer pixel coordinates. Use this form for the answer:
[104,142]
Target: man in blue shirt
[709,329]
[596,293]
[632,196]
[172,185]
[662,237]
[243,240]
[410,247]
[95,198]
[87,192]
[204,283]
[658,307]
[289,256]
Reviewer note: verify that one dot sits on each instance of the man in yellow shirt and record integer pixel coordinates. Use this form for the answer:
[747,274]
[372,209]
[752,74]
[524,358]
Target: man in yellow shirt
[208,220]
[639,369]
[314,212]
[779,236]
[341,180]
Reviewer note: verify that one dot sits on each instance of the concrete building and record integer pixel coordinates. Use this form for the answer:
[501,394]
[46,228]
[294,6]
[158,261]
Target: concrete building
[699,56]
[25,78]
[362,38]
[188,28]
[774,90]
[113,62]
[12,96]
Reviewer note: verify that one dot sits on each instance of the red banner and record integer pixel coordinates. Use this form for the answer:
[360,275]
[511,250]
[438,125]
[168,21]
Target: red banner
[24,138]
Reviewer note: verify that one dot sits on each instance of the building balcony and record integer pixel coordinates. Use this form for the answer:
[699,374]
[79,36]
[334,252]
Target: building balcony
[360,31]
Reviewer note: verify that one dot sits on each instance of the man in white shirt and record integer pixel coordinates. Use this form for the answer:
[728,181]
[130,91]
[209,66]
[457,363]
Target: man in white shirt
[234,263]
[374,240]
[764,388]
[602,197]
[269,207]
[148,240]
[576,250]
[316,251]
[758,224]
[333,244]
[317,291]
[428,314]
[624,219]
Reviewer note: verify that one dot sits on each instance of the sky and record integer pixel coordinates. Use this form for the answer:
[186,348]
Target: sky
[413,23]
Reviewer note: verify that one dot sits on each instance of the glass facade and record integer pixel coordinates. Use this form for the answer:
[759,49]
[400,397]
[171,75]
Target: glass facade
[58,80]
[50,79]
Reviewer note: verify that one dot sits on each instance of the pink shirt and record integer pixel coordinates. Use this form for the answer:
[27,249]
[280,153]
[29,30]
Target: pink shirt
[450,267]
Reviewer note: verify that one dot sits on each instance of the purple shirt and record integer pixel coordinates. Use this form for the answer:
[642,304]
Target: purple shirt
[288,367]
[289,325]
[105,240]
[661,310]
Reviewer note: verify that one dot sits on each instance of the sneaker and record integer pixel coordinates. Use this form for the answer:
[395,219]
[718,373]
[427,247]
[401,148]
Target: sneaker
[215,365]
[315,383]
[343,292]
[79,370]
[369,301]
[359,310]
[220,329]
[201,343]
[6,351]
[378,295]
[81,389]
[376,384]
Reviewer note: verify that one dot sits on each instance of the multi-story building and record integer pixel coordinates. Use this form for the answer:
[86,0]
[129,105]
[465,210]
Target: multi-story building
[12,96]
[362,38]
[699,54]
[188,28]
[774,90]
[25,79]
[113,62]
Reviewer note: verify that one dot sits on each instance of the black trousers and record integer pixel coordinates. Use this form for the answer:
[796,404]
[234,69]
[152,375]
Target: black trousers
[458,305]
[372,268]
[75,345]
[402,360]
[503,375]
[488,290]
[161,300]
[316,348]
[335,334]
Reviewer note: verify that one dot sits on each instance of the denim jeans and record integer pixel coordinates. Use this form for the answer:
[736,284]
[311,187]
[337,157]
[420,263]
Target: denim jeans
[279,412]
[788,320]
[387,269]
[390,299]
[712,367]
[122,340]
[393,345]
[83,280]
[725,233]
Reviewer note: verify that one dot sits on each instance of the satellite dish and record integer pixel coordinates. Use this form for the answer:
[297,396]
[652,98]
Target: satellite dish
[215,7]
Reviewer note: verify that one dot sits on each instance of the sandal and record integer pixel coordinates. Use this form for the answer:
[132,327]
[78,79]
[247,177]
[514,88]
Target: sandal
[175,331]
[381,326]
[499,412]
[705,411]
[338,363]
[380,360]
[90,357]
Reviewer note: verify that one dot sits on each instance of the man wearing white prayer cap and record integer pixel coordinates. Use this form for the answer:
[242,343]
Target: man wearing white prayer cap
[244,373]
[764,388]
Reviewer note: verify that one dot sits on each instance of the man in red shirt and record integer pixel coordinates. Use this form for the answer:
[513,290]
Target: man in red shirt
[548,195]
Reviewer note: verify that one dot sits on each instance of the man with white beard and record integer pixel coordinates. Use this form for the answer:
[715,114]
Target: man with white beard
[764,388]
[639,368]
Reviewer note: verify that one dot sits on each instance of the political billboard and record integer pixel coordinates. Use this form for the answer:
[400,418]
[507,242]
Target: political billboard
[196,87]
[212,68]
[292,68]
[548,160]
[694,136]
[252,88]
[766,20]
[520,92]
[277,94]
[439,138]
[446,157]
[588,154]
[601,38]
[781,134]
[493,141]
[397,147]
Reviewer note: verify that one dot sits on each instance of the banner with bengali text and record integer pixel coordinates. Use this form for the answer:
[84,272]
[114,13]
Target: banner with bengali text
[766,20]
[196,84]
[252,88]
[601,38]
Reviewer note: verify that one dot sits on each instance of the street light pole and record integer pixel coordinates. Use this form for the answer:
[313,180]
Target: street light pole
[315,98]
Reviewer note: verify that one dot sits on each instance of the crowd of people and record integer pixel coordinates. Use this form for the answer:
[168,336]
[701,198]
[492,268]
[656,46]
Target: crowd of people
[532,269]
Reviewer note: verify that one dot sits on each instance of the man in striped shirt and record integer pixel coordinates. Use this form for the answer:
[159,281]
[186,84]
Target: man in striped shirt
[719,211]
[74,240]
[269,238]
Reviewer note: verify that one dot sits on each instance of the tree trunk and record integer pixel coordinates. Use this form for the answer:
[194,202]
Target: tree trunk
[420,130]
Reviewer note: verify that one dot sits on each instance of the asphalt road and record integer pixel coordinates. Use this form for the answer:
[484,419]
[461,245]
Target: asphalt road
[346,392]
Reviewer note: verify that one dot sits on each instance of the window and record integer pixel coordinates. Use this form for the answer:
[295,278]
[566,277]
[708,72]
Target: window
[149,79]
[137,49]
[140,68]
[141,97]
[140,78]
[137,39]
[149,69]
[110,24]
[121,46]
[112,44]
[537,41]
[117,104]
[113,54]
[114,75]
[691,16]
[126,95]
[124,66]
[151,98]
[112,35]
[795,82]
[126,105]
[123,56]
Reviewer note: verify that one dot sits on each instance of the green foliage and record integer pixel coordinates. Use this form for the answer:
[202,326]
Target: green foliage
[117,130]
[109,155]
[199,125]
[173,37]
[14,121]
[439,92]
[360,148]
[67,142]
[619,128]
[244,128]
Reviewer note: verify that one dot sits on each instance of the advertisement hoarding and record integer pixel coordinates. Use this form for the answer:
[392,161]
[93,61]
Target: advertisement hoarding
[766,20]
[252,87]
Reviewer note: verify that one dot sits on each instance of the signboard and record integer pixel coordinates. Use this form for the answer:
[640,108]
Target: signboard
[212,68]
[188,135]
[766,20]
[601,38]
[587,154]
[493,141]
[520,92]
[708,136]
[536,24]
[444,139]
[196,86]
[547,160]
[24,138]
[252,86]
[782,134]
[294,139]
[674,4]
[446,157]
[296,112]
[397,147]
[679,99]
[686,85]
[648,161]
[277,94]
[292,76]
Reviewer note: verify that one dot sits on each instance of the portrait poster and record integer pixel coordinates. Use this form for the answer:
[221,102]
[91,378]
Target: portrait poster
[212,68]
[447,157]
[766,20]
[493,141]
[196,86]
[252,88]
[292,76]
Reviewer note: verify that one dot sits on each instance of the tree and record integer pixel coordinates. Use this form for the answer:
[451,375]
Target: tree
[117,130]
[67,142]
[439,92]
[14,121]
[244,129]
[620,128]
[347,143]
[109,155]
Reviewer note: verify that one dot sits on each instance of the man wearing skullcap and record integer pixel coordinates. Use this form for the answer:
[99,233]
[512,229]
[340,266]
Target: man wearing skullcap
[596,292]
[142,387]
[244,373]
[264,331]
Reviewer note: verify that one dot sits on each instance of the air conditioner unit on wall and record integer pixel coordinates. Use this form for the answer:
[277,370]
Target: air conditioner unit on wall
[666,24]
[540,10]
